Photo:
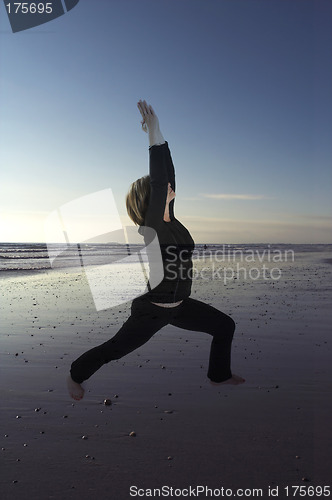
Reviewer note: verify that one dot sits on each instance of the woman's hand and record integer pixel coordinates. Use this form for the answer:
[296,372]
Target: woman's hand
[150,123]
[150,120]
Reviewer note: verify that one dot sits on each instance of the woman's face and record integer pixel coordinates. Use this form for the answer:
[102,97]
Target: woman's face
[170,193]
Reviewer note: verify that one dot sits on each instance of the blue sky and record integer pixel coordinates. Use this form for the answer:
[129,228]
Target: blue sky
[242,89]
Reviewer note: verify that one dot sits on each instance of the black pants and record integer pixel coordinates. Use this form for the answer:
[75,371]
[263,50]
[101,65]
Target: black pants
[146,319]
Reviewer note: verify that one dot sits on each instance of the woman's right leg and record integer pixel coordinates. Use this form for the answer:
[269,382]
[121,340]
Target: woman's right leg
[198,316]
[144,322]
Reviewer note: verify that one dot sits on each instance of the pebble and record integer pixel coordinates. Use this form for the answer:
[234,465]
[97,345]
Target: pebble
[107,402]
[84,437]
[132,434]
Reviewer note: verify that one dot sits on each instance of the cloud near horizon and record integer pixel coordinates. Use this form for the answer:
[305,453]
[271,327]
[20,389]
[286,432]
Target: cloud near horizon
[224,196]
[220,230]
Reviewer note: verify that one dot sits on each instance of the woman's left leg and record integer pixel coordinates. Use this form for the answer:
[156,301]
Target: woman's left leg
[197,316]
[145,320]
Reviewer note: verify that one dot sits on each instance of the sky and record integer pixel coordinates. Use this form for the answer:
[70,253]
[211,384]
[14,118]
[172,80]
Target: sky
[242,89]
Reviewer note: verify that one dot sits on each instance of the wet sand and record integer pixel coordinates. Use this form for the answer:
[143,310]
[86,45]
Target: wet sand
[273,431]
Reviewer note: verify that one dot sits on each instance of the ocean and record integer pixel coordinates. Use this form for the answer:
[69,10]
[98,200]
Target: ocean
[16,257]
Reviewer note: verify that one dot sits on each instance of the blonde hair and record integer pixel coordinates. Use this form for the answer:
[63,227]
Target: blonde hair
[137,200]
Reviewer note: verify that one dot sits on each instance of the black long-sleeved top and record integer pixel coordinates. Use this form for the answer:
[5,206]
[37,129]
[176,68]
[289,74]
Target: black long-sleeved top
[176,243]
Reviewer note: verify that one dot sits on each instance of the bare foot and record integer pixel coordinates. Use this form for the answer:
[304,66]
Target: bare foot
[234,380]
[76,391]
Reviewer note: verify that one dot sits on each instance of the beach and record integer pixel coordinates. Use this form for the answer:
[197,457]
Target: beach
[167,426]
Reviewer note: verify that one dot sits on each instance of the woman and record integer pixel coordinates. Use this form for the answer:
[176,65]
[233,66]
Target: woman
[150,203]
